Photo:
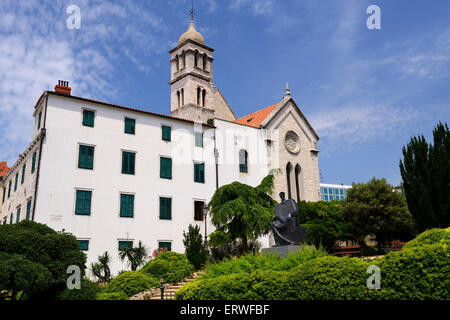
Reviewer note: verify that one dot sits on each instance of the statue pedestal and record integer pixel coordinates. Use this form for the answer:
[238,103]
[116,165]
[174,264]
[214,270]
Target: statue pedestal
[282,251]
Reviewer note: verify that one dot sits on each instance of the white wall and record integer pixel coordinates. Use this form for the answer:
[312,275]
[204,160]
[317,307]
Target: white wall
[60,177]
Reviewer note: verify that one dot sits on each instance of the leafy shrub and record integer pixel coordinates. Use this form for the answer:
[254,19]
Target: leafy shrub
[170,266]
[267,285]
[131,282]
[228,287]
[88,291]
[195,248]
[112,296]
[328,278]
[252,262]
[420,272]
[430,237]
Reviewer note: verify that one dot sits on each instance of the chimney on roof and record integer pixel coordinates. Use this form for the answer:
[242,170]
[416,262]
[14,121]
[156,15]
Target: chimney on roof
[63,87]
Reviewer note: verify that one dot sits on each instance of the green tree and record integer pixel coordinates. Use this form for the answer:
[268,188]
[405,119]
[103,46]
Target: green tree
[136,256]
[240,211]
[195,248]
[375,209]
[101,269]
[325,223]
[425,171]
[37,258]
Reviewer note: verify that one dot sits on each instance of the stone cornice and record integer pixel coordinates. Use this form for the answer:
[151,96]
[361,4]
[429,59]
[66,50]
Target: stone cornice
[189,74]
[194,42]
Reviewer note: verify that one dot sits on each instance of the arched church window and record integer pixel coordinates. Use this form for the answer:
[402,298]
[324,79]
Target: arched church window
[178,99]
[204,98]
[288,177]
[182,97]
[297,184]
[177,62]
[196,58]
[183,60]
[205,61]
[243,161]
[198,95]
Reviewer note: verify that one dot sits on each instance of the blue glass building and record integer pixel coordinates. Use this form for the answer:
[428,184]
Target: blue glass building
[330,192]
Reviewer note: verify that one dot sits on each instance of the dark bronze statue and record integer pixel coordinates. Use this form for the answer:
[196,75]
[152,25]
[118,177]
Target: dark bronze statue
[285,226]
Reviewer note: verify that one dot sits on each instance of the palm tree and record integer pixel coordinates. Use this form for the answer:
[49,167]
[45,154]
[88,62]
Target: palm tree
[101,268]
[135,256]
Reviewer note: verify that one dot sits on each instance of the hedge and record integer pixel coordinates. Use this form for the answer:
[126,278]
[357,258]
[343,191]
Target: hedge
[112,296]
[171,266]
[88,291]
[416,273]
[430,237]
[131,282]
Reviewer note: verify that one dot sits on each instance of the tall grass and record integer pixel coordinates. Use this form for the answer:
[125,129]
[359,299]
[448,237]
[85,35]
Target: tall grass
[251,262]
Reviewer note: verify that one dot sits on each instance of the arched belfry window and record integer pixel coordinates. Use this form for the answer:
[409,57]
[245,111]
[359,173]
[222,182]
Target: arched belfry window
[177,62]
[204,97]
[182,97]
[196,58]
[297,181]
[205,61]
[198,95]
[183,60]
[243,161]
[178,99]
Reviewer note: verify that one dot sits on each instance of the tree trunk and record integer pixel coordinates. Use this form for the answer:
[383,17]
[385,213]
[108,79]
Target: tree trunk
[244,244]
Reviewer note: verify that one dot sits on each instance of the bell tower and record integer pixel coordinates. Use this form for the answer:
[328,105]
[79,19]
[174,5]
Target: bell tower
[191,77]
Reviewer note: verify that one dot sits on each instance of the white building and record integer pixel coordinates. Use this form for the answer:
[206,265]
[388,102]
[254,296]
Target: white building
[113,175]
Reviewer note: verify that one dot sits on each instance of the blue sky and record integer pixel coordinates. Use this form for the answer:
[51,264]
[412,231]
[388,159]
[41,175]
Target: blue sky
[364,91]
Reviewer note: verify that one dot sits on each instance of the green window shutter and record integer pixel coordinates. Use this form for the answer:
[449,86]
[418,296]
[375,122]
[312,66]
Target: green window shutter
[33,163]
[165,208]
[199,172]
[15,183]
[88,118]
[199,139]
[125,244]
[18,215]
[23,173]
[83,202]
[9,188]
[84,244]
[86,157]
[165,245]
[127,205]
[39,120]
[165,168]
[11,218]
[28,210]
[130,125]
[128,162]
[166,133]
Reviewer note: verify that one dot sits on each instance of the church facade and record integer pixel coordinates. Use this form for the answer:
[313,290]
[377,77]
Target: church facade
[113,175]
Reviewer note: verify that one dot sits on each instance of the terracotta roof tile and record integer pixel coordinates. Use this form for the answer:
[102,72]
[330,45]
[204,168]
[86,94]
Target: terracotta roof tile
[256,118]
[3,169]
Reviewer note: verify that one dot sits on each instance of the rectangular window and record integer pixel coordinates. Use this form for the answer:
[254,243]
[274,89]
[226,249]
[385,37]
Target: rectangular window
[86,157]
[127,205]
[84,245]
[18,215]
[125,244]
[9,188]
[199,139]
[199,172]
[165,245]
[24,168]
[83,202]
[130,125]
[166,133]
[165,208]
[88,118]
[198,210]
[165,170]
[33,163]
[15,183]
[28,210]
[128,162]
[39,120]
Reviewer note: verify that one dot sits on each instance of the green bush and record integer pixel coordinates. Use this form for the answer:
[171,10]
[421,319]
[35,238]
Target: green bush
[328,278]
[430,237]
[131,282]
[228,287]
[88,291]
[195,247]
[252,262]
[267,285]
[421,272]
[112,296]
[170,266]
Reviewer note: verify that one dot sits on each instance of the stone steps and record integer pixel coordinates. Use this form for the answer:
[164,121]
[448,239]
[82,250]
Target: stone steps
[169,293]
